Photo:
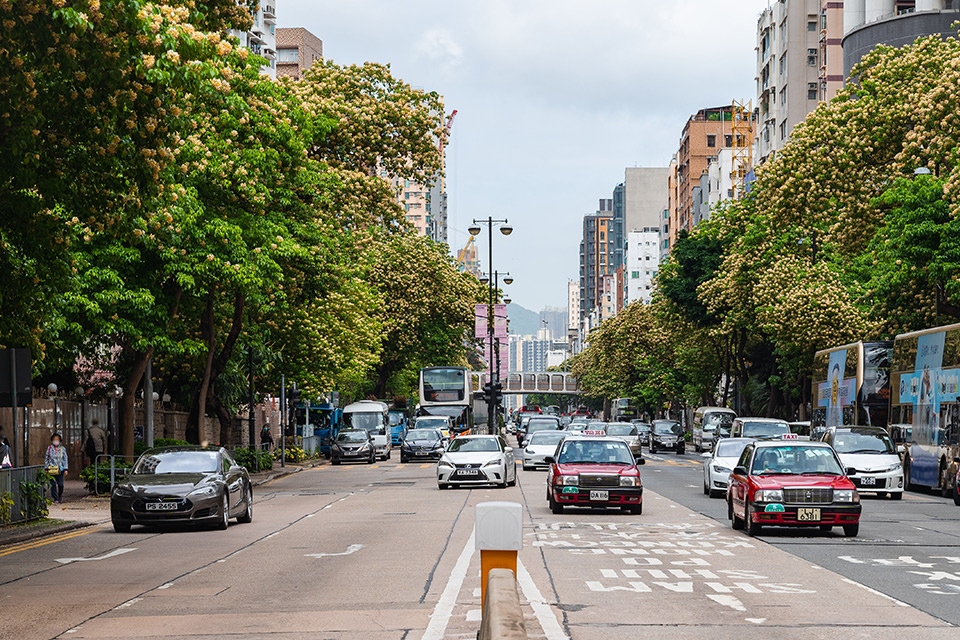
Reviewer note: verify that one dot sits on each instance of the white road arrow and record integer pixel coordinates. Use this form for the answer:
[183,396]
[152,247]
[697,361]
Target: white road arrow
[114,553]
[351,549]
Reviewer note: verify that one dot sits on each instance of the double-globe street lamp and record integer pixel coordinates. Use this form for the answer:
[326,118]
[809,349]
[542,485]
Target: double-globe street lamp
[506,230]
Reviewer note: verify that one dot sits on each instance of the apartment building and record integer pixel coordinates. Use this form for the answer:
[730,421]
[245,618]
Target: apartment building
[642,262]
[261,38]
[596,255]
[297,50]
[831,75]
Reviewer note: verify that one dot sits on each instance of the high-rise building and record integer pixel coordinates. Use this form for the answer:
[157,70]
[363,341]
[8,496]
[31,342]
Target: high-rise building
[554,320]
[867,23]
[642,262]
[645,198]
[596,255]
[261,39]
[831,48]
[792,36]
[297,50]
[573,316]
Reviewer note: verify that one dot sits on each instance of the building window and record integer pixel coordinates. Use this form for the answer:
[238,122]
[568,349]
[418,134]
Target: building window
[811,57]
[288,55]
[711,140]
[634,274]
[812,93]
[783,64]
[728,140]
[601,235]
[783,130]
[811,25]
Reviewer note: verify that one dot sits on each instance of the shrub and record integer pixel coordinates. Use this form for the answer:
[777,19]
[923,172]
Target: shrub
[97,478]
[140,447]
[248,458]
[294,454]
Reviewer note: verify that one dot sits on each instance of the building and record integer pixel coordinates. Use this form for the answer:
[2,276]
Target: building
[607,296]
[831,48]
[554,321]
[867,23]
[643,260]
[794,41]
[297,50]
[645,198]
[573,316]
[261,39]
[596,255]
[437,210]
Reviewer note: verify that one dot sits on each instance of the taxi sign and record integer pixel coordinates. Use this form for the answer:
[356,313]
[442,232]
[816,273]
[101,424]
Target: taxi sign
[594,433]
[789,436]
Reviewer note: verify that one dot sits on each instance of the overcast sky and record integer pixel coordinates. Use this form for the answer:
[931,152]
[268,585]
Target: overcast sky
[554,97]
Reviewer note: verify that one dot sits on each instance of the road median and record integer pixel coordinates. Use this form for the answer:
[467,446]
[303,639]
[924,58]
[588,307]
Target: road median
[502,615]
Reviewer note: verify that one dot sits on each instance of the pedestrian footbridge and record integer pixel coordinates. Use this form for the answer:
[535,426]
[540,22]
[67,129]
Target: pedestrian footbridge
[517,382]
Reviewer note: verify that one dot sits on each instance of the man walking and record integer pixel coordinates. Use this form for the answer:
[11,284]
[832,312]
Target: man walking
[96,444]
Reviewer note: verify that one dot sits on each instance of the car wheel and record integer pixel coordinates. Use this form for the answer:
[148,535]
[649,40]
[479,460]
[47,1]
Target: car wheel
[753,529]
[442,486]
[653,449]
[636,509]
[715,493]
[956,496]
[121,527]
[335,462]
[389,454]
[403,459]
[826,527]
[706,487]
[851,530]
[735,522]
[526,468]
[224,514]
[556,507]
[247,516]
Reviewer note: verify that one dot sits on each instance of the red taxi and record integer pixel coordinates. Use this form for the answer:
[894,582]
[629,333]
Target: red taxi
[592,470]
[792,484]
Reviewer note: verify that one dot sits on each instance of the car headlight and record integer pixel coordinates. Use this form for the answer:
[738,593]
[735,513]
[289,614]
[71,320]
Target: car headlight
[770,495]
[365,447]
[569,480]
[894,467]
[494,462]
[718,469]
[445,463]
[335,447]
[204,491]
[629,481]
[405,445]
[846,495]
[123,492]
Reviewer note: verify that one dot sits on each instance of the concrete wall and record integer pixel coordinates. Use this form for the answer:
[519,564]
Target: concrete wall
[645,197]
[896,31]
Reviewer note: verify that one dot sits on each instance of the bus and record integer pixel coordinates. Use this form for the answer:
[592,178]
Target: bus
[447,391]
[851,385]
[926,365]
[624,410]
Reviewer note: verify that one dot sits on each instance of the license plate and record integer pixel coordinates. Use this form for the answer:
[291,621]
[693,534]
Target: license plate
[868,482]
[162,506]
[808,515]
[469,472]
[600,495]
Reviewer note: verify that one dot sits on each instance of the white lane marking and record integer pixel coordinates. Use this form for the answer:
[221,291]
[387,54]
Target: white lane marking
[545,616]
[448,599]
[127,604]
[756,620]
[165,586]
[112,554]
[474,615]
[875,592]
[727,601]
[350,550]
[476,592]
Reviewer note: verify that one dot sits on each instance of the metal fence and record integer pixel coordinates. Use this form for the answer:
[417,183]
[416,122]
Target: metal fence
[24,507]
[108,471]
[310,444]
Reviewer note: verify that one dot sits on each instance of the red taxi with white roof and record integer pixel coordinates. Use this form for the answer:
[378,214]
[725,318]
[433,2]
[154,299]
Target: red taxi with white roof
[792,483]
[593,470]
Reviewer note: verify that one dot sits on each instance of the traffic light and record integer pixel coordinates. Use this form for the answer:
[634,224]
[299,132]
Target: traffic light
[496,391]
[295,397]
[485,394]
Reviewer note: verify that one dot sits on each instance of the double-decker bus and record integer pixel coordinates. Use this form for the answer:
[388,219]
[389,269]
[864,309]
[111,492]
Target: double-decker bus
[447,391]
[624,410]
[851,385]
[926,366]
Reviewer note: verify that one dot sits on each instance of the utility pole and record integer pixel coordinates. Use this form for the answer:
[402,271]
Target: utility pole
[251,418]
[148,404]
[283,411]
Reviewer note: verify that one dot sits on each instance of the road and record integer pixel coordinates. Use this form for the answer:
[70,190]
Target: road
[378,552]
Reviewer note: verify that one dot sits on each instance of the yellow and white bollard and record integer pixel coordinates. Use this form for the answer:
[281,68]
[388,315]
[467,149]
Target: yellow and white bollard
[499,536]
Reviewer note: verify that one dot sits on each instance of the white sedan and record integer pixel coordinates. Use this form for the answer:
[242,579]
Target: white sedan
[471,460]
[719,463]
[871,455]
[542,444]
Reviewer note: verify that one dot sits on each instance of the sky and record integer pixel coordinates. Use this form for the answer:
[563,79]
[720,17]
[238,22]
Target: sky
[554,99]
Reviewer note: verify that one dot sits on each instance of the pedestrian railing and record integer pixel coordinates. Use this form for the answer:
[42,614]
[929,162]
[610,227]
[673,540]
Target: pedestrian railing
[310,444]
[114,469]
[23,495]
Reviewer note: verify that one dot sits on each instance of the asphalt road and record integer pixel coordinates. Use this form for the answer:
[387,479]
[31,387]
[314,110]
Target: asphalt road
[378,552]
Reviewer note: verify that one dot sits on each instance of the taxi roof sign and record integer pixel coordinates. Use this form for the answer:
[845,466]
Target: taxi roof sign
[594,433]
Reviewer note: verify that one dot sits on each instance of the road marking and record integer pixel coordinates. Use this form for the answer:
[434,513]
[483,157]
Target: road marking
[112,554]
[548,621]
[33,544]
[875,592]
[727,601]
[474,615]
[350,550]
[448,599]
[425,466]
[128,603]
[756,620]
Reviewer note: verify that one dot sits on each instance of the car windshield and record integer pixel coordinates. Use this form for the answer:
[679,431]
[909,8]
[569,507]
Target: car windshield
[542,425]
[595,452]
[548,438]
[863,442]
[577,426]
[464,445]
[795,461]
[352,436]
[667,428]
[713,421]
[176,462]
[368,421]
[395,418]
[765,429]
[621,430]
[643,428]
[727,449]
[423,434]
[432,423]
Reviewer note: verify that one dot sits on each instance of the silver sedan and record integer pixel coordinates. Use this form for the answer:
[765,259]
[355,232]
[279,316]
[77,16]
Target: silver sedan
[472,460]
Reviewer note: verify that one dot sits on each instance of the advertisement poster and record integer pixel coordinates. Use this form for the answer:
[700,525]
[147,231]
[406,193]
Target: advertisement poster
[837,392]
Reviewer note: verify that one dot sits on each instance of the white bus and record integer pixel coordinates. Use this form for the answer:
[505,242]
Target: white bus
[448,391]
[372,416]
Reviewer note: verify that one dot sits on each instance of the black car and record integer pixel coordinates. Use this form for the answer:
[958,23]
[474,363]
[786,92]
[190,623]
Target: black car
[422,443]
[643,430]
[353,444]
[666,434]
[183,485]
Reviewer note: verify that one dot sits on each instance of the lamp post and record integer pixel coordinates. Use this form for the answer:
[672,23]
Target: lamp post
[506,230]
[52,388]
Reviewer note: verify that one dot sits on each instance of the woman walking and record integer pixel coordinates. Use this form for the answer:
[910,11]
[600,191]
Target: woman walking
[57,465]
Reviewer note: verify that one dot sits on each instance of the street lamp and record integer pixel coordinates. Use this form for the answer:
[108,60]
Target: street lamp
[52,388]
[484,279]
[921,171]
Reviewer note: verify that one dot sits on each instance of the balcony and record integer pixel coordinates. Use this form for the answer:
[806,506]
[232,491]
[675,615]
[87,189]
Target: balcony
[269,10]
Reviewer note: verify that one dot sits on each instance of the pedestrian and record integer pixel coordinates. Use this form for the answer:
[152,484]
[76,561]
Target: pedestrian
[96,444]
[6,459]
[266,439]
[57,465]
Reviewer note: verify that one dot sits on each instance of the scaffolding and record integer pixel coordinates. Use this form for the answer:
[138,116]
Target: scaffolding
[742,146]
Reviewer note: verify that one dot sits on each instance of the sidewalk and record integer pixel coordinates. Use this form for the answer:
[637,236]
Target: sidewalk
[80,509]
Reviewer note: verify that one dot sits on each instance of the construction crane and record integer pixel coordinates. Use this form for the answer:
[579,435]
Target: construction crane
[463,253]
[742,146]
[446,131]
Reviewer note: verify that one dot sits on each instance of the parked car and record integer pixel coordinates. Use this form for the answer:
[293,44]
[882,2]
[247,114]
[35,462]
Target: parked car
[422,443]
[871,457]
[471,460]
[594,471]
[792,484]
[185,484]
[353,445]
[719,463]
[629,434]
[643,431]
[540,423]
[760,428]
[666,434]
[541,445]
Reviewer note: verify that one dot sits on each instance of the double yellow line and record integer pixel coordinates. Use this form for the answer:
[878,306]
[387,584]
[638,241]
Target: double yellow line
[33,544]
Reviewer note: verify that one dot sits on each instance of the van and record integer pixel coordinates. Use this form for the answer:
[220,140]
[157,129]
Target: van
[709,424]
[761,428]
[374,416]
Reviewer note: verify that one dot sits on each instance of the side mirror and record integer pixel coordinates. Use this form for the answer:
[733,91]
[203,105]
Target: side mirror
[850,471]
[642,461]
[706,454]
[739,471]
[508,450]
[957,459]
[550,460]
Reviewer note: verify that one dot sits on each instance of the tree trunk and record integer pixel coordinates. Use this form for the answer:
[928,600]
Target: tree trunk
[128,409]
[225,419]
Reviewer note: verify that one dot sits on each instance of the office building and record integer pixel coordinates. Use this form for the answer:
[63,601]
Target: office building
[895,23]
[642,262]
[261,38]
[297,50]
[554,321]
[596,255]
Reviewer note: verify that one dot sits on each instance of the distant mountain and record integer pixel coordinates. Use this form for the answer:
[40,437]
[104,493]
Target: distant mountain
[522,320]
